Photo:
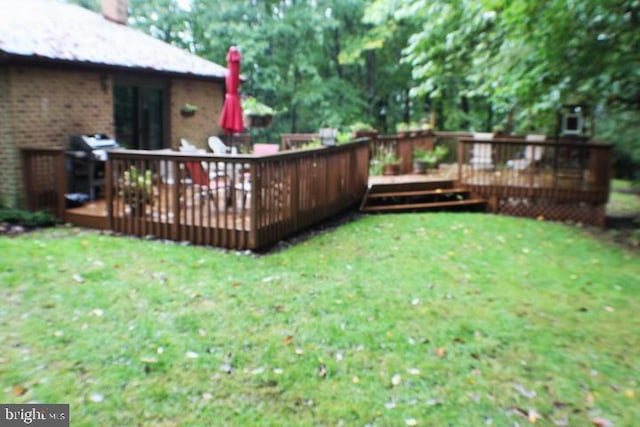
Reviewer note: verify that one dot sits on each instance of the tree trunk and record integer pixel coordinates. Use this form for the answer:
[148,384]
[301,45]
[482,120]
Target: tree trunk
[464,104]
[371,80]
[294,115]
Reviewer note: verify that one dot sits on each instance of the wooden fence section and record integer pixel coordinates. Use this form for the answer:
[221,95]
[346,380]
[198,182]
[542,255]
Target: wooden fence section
[45,180]
[236,202]
[555,179]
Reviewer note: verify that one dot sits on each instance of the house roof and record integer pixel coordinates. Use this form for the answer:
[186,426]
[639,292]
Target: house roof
[46,30]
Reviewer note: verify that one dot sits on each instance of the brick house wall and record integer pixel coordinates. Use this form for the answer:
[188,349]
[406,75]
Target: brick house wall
[45,107]
[41,107]
[9,163]
[208,97]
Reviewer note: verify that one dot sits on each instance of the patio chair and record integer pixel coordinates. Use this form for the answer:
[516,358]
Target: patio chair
[217,146]
[215,188]
[482,154]
[243,180]
[531,155]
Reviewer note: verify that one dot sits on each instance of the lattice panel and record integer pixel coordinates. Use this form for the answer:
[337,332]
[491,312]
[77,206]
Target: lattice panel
[586,213]
[44,182]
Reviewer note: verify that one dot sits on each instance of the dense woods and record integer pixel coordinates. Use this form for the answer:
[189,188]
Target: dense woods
[478,65]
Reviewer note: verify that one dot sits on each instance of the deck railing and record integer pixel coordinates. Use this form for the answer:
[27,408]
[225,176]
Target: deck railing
[45,181]
[554,179]
[236,202]
[401,146]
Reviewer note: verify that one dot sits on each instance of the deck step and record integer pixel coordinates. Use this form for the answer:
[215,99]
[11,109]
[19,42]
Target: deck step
[419,196]
[417,193]
[467,203]
[411,186]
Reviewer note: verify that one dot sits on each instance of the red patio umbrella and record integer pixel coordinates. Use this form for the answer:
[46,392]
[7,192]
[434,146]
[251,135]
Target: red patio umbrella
[231,117]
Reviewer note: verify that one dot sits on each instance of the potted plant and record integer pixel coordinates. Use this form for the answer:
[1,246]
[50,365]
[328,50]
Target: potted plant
[361,130]
[424,160]
[258,114]
[137,188]
[421,160]
[440,152]
[390,164]
[188,110]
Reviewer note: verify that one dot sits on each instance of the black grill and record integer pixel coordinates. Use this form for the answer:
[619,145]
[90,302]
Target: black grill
[86,158]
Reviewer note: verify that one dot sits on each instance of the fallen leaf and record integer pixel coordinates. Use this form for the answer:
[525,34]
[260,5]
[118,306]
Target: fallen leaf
[601,422]
[630,394]
[19,390]
[561,422]
[288,340]
[441,352]
[96,397]
[529,394]
[396,380]
[257,371]
[433,402]
[533,416]
[322,370]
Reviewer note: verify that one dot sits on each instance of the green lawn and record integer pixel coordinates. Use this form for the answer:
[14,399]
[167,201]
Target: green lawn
[416,319]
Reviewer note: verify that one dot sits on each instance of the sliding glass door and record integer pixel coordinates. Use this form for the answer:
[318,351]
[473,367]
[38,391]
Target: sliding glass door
[139,115]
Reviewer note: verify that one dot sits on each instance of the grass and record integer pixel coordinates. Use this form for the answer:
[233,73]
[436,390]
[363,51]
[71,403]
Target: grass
[432,319]
[623,202]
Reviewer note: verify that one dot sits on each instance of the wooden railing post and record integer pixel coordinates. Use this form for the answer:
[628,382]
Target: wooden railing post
[108,192]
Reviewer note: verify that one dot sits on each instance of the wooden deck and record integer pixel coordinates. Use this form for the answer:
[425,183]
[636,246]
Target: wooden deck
[266,198]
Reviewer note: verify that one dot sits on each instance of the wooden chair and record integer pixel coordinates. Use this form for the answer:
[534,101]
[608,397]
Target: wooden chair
[482,154]
[532,154]
[215,188]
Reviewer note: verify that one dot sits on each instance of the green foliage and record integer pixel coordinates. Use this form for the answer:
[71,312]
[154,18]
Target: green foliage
[137,187]
[431,157]
[361,127]
[189,108]
[251,106]
[27,218]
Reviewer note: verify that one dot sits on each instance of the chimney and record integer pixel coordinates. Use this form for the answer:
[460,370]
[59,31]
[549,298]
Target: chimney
[115,11]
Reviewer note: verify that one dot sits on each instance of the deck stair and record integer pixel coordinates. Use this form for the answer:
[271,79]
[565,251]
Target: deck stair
[420,196]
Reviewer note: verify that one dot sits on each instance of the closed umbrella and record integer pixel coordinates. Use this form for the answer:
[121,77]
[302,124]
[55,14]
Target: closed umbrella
[231,117]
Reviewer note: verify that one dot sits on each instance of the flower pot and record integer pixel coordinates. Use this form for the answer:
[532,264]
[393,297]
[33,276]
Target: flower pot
[256,121]
[419,166]
[391,169]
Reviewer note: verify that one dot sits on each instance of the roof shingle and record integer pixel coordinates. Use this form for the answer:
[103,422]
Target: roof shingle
[42,29]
